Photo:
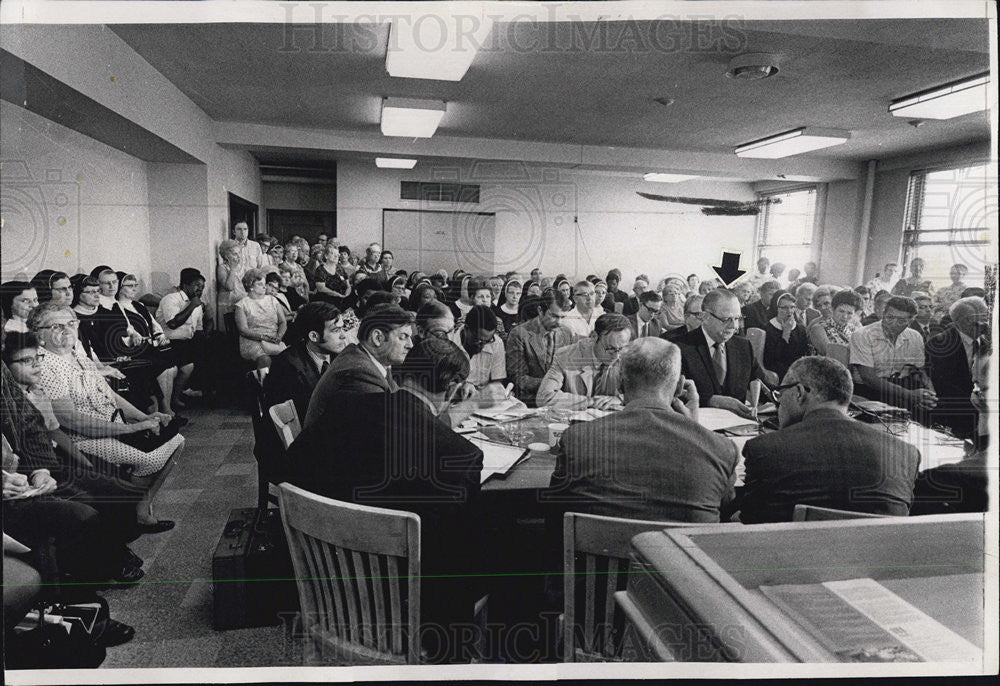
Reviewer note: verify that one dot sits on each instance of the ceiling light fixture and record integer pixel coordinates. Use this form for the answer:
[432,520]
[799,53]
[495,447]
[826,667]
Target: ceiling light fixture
[411,117]
[793,142]
[658,177]
[440,47]
[394,163]
[752,66]
[948,101]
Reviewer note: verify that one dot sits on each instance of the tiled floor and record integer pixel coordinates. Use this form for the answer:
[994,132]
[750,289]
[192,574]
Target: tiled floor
[171,609]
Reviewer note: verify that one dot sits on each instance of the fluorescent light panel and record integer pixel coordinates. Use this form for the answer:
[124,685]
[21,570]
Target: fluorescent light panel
[952,100]
[794,142]
[658,177]
[394,163]
[410,117]
[438,47]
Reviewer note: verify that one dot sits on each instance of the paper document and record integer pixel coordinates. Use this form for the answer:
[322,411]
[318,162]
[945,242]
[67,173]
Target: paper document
[716,419]
[497,458]
[504,411]
[588,415]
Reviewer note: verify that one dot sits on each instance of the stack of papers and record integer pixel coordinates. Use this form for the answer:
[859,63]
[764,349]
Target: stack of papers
[588,415]
[497,458]
[716,419]
[503,412]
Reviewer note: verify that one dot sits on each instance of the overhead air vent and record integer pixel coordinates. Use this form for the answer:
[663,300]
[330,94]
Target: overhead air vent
[439,192]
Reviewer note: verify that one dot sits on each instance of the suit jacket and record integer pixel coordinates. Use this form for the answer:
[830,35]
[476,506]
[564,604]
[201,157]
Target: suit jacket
[949,370]
[645,462]
[573,376]
[389,450]
[655,329]
[631,306]
[527,356]
[755,316]
[696,364]
[353,371]
[828,460]
[293,376]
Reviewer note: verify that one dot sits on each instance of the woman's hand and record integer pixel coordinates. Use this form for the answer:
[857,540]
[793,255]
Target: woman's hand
[44,482]
[14,485]
[112,373]
[161,417]
[152,424]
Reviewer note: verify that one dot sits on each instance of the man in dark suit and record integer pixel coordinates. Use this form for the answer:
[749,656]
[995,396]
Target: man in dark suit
[392,450]
[950,359]
[756,314]
[823,457]
[645,322]
[720,363]
[632,304]
[384,339]
[532,346]
[652,460]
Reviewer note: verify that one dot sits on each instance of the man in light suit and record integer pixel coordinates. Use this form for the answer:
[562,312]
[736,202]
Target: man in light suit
[586,373]
[645,322]
[532,346]
[823,457]
[720,363]
[951,356]
[384,339]
[652,460]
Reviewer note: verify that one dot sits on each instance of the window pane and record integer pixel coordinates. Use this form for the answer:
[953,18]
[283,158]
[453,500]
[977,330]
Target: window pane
[791,220]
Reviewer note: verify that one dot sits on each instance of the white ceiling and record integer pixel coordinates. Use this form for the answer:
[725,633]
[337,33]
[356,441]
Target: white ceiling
[540,82]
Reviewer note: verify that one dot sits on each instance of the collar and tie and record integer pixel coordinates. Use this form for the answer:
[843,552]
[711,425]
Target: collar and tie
[550,348]
[323,367]
[719,362]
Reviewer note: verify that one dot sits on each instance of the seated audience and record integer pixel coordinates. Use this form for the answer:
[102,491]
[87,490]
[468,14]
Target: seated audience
[778,273]
[823,457]
[260,322]
[692,317]
[632,304]
[496,288]
[478,339]
[885,280]
[182,317]
[384,338]
[562,285]
[317,337]
[532,346]
[720,363]
[421,294]
[922,323]
[915,281]
[744,293]
[275,254]
[506,308]
[287,288]
[615,294]
[878,307]
[580,320]
[761,276]
[805,313]
[297,280]
[601,294]
[617,466]
[841,325]
[811,273]
[91,413]
[17,300]
[866,301]
[434,319]
[951,356]
[889,359]
[646,321]
[693,281]
[672,313]
[397,286]
[330,286]
[784,340]
[273,286]
[757,313]
[586,373]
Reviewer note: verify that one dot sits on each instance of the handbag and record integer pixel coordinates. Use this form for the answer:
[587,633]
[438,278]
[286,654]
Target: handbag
[56,642]
[146,440]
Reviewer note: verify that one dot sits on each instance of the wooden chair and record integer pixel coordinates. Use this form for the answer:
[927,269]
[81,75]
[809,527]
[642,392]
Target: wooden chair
[264,444]
[840,353]
[286,422]
[813,513]
[601,545]
[358,573]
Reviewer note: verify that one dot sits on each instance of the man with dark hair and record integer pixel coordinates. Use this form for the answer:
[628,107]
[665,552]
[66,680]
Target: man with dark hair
[478,339]
[823,457]
[317,337]
[586,373]
[615,294]
[618,466]
[756,314]
[951,356]
[384,339]
[181,314]
[393,450]
[645,322]
[532,346]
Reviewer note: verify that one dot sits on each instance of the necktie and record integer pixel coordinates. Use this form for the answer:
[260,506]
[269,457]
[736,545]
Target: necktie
[602,371]
[550,348]
[645,330]
[719,362]
[323,367]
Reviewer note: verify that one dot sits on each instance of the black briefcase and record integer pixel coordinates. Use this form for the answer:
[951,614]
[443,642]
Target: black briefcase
[252,579]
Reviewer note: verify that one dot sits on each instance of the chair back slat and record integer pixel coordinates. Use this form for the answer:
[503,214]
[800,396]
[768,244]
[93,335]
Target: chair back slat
[756,337]
[343,599]
[814,513]
[286,422]
[598,543]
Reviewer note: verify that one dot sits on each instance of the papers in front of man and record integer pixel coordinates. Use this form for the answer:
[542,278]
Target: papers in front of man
[588,415]
[877,407]
[503,412]
[717,419]
[497,458]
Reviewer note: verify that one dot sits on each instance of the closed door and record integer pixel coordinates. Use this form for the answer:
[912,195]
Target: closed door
[431,240]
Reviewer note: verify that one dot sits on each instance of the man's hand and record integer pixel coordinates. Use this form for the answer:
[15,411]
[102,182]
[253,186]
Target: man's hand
[467,391]
[44,482]
[687,401]
[604,402]
[161,417]
[924,398]
[724,402]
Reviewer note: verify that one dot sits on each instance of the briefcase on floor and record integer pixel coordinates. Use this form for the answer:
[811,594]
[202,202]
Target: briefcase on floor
[252,579]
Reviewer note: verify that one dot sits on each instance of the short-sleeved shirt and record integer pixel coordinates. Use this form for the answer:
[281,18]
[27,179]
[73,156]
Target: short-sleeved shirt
[489,364]
[871,348]
[79,379]
[170,306]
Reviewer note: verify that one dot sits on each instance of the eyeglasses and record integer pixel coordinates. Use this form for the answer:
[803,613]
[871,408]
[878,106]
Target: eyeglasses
[728,321]
[584,295]
[33,360]
[439,333]
[90,291]
[777,391]
[71,325]
[487,341]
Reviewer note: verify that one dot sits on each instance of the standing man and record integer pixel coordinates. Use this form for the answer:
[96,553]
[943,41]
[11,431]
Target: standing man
[645,322]
[915,281]
[953,291]
[580,320]
[586,373]
[250,253]
[761,276]
[531,346]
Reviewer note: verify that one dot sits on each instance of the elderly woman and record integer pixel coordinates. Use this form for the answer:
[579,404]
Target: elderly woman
[672,312]
[785,341]
[274,285]
[506,308]
[276,254]
[297,277]
[287,287]
[840,326]
[331,287]
[259,321]
[93,415]
[17,300]
[229,277]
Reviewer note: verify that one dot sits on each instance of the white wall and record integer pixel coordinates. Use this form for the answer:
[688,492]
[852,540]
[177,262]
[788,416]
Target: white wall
[69,202]
[535,218]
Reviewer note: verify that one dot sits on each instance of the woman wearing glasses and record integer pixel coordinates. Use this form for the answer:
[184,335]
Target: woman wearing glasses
[785,341]
[85,405]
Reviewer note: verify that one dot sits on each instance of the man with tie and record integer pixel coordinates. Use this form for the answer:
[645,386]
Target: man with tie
[922,323]
[720,363]
[586,373]
[645,323]
[951,357]
[384,338]
[531,346]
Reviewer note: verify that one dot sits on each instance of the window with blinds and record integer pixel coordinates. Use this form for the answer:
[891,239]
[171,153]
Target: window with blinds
[785,228]
[947,221]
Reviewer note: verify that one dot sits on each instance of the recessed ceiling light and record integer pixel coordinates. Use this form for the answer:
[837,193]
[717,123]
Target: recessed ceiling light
[411,117]
[752,66]
[657,177]
[394,163]
[951,100]
[793,143]
[440,47]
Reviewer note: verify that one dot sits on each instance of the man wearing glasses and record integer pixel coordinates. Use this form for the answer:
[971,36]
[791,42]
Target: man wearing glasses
[720,363]
[645,322]
[477,337]
[821,456]
[580,320]
[586,373]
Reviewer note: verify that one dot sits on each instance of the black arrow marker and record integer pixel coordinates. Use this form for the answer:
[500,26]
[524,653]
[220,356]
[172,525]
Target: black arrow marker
[730,269]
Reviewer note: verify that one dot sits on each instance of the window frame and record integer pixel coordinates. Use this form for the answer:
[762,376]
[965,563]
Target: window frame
[760,229]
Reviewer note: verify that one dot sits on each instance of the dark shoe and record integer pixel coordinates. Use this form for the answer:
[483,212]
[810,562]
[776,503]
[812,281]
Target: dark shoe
[115,634]
[131,559]
[179,422]
[157,527]
[129,575]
